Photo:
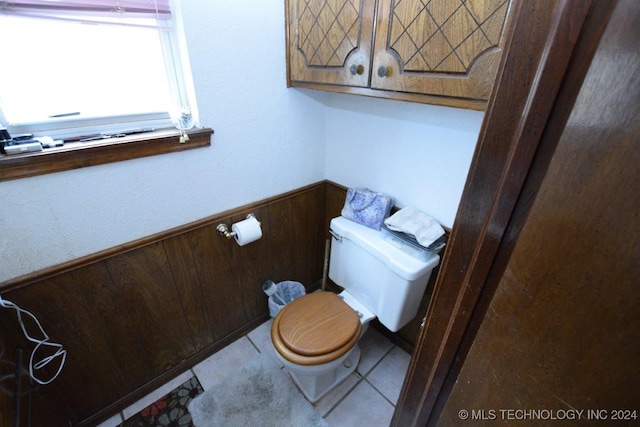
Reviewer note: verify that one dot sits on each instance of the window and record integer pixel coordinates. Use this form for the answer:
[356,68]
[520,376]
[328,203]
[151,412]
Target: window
[72,67]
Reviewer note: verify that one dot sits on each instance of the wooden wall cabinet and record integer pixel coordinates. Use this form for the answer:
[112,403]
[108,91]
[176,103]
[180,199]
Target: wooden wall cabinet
[443,52]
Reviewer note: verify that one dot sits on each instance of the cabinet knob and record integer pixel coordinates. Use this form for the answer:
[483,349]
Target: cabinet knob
[383,71]
[356,69]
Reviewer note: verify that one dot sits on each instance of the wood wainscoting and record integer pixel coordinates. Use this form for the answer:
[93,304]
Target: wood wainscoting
[134,316]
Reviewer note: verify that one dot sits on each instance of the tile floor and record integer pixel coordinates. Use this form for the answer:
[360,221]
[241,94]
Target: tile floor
[366,397]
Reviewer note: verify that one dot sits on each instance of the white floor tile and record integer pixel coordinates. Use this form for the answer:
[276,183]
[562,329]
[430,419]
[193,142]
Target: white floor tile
[356,401]
[152,397]
[374,347]
[261,337]
[388,376]
[114,421]
[331,399]
[364,406]
[233,356]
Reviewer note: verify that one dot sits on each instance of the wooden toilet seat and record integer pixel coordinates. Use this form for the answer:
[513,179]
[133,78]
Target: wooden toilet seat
[315,329]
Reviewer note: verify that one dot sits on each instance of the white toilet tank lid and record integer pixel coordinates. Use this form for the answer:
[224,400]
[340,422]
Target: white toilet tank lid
[371,241]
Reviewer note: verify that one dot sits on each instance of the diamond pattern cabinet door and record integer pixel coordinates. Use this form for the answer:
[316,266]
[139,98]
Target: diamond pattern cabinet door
[445,48]
[330,41]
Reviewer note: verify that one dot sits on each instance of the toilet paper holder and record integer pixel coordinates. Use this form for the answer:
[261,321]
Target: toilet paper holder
[223,230]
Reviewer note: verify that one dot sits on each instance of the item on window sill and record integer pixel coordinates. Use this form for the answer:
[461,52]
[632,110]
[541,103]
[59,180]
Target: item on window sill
[22,137]
[183,120]
[5,138]
[48,142]
[29,147]
[25,143]
[21,141]
[106,135]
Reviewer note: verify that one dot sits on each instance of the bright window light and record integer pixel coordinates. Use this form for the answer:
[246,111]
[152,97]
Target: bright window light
[58,75]
[56,68]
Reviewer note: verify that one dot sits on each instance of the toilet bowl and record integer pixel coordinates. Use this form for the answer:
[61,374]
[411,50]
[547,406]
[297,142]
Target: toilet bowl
[316,338]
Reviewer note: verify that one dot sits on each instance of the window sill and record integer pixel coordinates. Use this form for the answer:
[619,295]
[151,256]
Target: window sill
[78,155]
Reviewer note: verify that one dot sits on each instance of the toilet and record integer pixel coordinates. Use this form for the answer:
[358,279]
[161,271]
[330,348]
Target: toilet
[316,336]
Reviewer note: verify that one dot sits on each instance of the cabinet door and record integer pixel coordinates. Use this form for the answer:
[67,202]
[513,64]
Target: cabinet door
[440,47]
[330,41]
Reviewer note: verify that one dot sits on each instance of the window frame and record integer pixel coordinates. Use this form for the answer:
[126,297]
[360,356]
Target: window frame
[78,155]
[164,139]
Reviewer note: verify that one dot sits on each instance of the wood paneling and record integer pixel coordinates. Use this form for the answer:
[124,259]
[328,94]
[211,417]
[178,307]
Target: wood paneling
[109,322]
[546,321]
[561,332]
[290,220]
[150,299]
[134,316]
[194,297]
[536,64]
[8,361]
[336,195]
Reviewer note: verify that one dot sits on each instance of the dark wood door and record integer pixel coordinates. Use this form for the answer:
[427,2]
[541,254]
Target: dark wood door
[536,304]
[562,330]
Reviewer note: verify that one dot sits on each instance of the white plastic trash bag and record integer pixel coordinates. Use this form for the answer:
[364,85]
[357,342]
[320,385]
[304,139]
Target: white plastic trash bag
[280,294]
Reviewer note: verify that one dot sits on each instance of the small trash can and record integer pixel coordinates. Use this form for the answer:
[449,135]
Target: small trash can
[280,294]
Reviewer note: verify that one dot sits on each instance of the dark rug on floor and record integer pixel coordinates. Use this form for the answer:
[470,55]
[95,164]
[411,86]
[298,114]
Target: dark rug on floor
[169,410]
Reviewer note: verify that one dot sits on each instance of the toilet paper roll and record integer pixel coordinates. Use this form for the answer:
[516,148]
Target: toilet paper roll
[246,231]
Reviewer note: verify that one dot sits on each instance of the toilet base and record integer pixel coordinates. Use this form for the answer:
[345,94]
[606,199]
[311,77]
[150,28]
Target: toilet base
[315,386]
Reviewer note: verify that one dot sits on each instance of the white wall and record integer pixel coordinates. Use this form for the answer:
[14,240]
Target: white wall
[419,154]
[268,140]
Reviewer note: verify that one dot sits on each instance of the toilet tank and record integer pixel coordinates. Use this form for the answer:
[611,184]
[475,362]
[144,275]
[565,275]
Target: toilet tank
[386,280]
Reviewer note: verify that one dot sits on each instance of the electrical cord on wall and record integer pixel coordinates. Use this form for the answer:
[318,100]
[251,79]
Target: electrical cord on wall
[59,353]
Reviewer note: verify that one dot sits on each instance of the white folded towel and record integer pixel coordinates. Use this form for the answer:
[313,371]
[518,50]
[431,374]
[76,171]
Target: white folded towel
[424,228]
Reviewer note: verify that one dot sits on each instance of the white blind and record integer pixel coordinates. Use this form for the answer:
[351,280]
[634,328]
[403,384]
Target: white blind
[123,12]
